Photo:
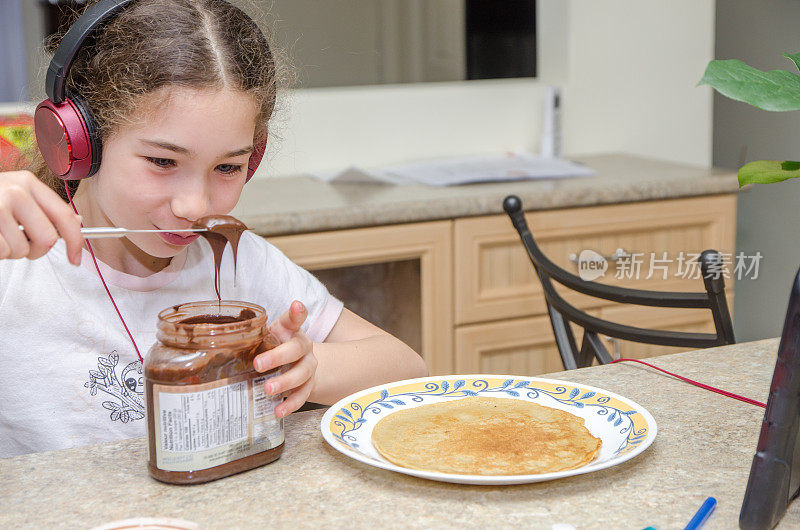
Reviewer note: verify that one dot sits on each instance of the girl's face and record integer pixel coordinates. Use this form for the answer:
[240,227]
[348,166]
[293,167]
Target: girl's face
[180,162]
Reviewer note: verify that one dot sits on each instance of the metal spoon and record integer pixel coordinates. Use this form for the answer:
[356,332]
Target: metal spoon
[112,231]
[97,232]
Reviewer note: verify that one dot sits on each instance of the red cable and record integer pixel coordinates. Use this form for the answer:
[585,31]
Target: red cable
[96,266]
[701,385]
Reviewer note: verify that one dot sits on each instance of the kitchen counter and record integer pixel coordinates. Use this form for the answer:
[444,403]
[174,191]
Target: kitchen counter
[704,447]
[290,205]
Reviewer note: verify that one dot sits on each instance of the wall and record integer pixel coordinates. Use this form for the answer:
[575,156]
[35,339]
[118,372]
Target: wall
[633,67]
[628,69]
[768,214]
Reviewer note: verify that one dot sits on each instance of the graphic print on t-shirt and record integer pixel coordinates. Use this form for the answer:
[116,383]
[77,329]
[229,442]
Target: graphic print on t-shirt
[127,389]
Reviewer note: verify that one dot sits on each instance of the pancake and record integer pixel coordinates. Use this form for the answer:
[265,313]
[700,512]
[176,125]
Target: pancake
[485,436]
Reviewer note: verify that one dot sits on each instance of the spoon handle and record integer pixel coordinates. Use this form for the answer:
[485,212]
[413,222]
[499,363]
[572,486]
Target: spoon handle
[96,232]
[112,231]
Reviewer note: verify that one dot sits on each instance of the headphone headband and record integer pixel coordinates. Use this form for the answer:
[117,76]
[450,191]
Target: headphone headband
[55,83]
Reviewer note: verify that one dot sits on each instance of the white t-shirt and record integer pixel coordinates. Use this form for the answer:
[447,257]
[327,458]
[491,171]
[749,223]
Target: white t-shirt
[69,375]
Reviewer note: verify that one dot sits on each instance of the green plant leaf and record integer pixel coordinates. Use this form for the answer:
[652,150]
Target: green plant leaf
[768,171]
[775,90]
[795,57]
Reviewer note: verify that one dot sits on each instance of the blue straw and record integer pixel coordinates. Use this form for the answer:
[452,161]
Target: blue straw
[702,514]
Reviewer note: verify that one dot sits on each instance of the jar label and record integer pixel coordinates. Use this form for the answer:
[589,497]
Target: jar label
[210,424]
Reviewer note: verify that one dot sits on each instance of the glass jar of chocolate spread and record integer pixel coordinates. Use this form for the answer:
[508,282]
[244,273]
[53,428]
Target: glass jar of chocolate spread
[207,413]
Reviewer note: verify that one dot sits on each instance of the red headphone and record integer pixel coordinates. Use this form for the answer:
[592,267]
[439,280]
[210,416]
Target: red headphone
[65,130]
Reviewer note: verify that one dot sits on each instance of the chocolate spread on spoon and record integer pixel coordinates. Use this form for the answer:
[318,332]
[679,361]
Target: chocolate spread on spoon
[221,230]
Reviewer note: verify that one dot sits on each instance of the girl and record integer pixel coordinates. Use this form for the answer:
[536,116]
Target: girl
[180,92]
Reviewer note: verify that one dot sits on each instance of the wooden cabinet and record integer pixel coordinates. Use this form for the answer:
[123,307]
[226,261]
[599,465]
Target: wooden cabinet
[494,278]
[694,320]
[431,323]
[520,346]
[481,308]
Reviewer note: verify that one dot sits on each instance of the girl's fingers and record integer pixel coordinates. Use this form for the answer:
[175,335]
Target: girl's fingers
[28,202]
[39,231]
[295,400]
[296,352]
[290,322]
[285,353]
[15,238]
[297,375]
[5,250]
[66,222]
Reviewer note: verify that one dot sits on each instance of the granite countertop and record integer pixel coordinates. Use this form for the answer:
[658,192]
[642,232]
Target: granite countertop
[704,447]
[290,205]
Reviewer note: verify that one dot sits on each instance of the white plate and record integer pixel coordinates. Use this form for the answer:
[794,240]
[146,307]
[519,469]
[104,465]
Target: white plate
[625,428]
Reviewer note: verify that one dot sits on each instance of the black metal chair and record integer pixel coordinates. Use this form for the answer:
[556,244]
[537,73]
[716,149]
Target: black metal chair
[562,313]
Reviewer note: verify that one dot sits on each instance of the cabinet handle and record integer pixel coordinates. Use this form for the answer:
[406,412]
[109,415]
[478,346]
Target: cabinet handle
[619,253]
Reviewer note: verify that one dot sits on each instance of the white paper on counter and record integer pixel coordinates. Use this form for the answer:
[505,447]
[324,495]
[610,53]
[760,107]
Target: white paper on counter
[463,170]
[488,168]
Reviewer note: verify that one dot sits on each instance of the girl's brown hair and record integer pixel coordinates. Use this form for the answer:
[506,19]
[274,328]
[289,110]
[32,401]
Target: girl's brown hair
[152,44]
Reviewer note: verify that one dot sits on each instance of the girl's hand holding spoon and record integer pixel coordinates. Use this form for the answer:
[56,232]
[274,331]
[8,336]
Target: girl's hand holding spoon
[26,201]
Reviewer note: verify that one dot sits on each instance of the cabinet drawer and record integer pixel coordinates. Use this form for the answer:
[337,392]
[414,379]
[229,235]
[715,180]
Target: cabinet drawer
[523,346]
[666,319]
[494,278]
[526,346]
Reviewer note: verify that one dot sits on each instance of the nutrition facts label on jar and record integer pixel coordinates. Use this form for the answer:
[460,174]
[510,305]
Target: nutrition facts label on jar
[266,426]
[204,420]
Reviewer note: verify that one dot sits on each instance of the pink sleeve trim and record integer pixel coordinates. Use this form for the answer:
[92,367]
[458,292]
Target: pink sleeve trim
[321,327]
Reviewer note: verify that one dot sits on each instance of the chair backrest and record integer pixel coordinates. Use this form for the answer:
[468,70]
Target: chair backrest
[563,313]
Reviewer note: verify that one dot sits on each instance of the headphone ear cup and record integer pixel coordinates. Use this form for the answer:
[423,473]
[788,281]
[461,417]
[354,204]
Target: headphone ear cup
[255,158]
[68,143]
[93,136]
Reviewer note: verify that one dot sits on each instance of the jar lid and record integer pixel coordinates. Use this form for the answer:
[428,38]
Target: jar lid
[150,523]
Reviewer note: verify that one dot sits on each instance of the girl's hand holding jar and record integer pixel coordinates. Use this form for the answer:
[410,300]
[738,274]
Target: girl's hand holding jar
[294,351]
